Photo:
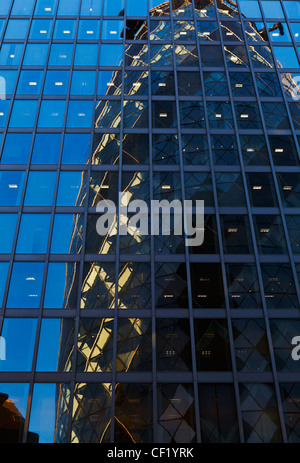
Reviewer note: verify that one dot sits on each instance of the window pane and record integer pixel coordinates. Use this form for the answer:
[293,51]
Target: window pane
[40,189]
[46,148]
[16,148]
[19,334]
[33,234]
[25,285]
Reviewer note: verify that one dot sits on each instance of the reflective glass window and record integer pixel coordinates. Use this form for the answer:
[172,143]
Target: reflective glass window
[91,8]
[83,83]
[272,9]
[112,29]
[56,83]
[19,334]
[10,80]
[212,345]
[45,7]
[5,5]
[66,8]
[10,54]
[16,148]
[33,234]
[62,278]
[53,352]
[7,231]
[14,394]
[35,54]
[51,113]
[173,345]
[115,8]
[207,285]
[80,114]
[71,189]
[46,148]
[71,240]
[40,29]
[45,400]
[30,83]
[40,188]
[61,54]
[25,285]
[218,414]
[86,54]
[76,149]
[65,29]
[23,113]
[16,29]
[88,29]
[11,185]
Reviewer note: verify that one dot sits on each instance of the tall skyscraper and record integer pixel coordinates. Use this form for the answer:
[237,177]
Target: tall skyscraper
[141,337]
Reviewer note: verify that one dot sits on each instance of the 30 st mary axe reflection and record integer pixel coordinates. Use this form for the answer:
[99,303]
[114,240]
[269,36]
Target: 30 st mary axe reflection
[100,347]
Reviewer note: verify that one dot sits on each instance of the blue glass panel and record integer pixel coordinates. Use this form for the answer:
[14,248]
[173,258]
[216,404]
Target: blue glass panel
[23,113]
[272,9]
[62,233]
[9,79]
[112,29]
[33,234]
[250,8]
[7,232]
[16,29]
[45,7]
[70,184]
[134,8]
[22,7]
[68,8]
[16,148]
[2,23]
[40,29]
[115,8]
[88,29]
[46,148]
[3,276]
[40,189]
[286,57]
[51,351]
[56,285]
[86,54]
[111,55]
[80,114]
[56,83]
[30,83]
[76,149]
[25,285]
[10,54]
[65,29]
[83,83]
[293,8]
[19,335]
[44,404]
[52,113]
[61,54]
[91,8]
[11,185]
[4,6]
[35,54]
[4,106]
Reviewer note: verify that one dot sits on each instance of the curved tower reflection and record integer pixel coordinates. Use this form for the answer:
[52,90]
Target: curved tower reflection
[91,414]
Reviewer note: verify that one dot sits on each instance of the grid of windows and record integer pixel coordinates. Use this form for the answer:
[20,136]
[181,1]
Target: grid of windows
[141,338]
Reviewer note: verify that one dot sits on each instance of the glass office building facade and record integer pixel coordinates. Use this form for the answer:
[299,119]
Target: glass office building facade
[142,338]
